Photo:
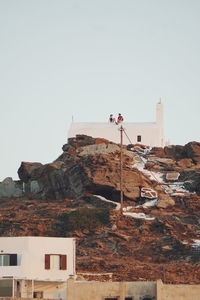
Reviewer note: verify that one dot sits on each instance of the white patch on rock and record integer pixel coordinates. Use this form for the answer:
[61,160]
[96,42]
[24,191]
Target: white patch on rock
[138,216]
[156,176]
[148,204]
[148,193]
[196,244]
[118,205]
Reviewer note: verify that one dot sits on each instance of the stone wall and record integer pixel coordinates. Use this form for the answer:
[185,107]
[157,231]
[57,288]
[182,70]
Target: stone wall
[99,290]
[87,290]
[177,291]
[11,188]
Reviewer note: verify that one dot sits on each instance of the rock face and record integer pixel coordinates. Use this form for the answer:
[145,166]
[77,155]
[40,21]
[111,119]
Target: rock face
[157,230]
[86,166]
[190,150]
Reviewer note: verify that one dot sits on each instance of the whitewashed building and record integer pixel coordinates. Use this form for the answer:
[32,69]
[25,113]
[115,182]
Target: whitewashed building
[36,267]
[146,133]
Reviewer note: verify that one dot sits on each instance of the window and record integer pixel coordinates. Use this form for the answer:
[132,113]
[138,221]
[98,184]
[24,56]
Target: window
[8,260]
[4,260]
[139,138]
[55,262]
[115,298]
[128,298]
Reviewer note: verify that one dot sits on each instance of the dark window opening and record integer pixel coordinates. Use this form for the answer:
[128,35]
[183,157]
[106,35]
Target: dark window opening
[139,138]
[111,298]
[129,298]
[147,297]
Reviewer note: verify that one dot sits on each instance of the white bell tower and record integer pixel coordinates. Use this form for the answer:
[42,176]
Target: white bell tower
[160,121]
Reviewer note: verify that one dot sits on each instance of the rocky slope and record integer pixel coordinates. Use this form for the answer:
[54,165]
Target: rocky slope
[156,234]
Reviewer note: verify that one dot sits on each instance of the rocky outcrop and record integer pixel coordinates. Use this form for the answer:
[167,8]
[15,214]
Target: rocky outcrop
[84,169]
[190,150]
[92,165]
[27,169]
[157,229]
[191,180]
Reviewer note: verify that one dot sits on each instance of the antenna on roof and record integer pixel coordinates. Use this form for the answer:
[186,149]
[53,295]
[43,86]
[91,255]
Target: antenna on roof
[72,119]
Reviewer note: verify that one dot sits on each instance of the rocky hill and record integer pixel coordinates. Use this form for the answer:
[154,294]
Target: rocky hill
[156,234]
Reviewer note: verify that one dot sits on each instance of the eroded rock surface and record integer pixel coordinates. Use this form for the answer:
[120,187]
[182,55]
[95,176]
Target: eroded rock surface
[156,234]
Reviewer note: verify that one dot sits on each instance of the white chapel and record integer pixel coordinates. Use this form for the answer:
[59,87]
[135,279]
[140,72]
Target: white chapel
[146,133]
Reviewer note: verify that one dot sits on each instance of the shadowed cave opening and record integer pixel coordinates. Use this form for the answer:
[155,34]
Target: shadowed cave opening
[107,192]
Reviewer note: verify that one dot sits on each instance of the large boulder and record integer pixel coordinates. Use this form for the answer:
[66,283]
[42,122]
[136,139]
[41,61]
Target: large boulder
[192,150]
[158,151]
[191,180]
[165,201]
[84,169]
[25,171]
[175,151]
[185,163]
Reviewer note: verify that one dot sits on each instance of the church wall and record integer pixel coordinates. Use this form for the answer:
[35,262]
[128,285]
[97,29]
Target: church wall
[150,135]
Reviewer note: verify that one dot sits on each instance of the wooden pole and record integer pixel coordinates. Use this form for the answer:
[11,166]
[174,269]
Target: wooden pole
[121,168]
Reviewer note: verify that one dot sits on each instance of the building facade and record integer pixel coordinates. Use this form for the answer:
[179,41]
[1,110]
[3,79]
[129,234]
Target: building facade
[146,133]
[36,266]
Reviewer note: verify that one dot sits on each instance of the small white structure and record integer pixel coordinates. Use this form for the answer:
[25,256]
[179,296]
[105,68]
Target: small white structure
[36,267]
[149,133]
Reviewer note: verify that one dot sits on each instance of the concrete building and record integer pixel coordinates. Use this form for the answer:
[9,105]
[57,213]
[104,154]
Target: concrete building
[147,133]
[36,266]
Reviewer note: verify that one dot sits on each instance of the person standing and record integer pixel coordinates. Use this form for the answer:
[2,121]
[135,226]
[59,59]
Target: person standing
[111,119]
[120,119]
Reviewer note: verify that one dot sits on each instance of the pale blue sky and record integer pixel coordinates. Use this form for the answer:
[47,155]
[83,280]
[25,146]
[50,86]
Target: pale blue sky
[90,58]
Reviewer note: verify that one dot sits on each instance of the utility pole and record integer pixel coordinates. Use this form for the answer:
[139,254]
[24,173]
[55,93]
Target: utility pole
[121,167]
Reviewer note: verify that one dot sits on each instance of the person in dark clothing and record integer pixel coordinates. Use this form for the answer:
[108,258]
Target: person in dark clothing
[111,119]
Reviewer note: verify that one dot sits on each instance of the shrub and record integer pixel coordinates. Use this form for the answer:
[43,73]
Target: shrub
[83,218]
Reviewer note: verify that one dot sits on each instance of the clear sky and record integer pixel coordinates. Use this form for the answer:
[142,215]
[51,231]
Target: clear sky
[89,58]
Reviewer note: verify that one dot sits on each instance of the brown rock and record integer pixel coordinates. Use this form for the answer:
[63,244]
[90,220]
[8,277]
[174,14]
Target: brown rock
[192,150]
[176,152]
[191,179]
[185,163]
[165,201]
[158,151]
[172,176]
[26,169]
[149,165]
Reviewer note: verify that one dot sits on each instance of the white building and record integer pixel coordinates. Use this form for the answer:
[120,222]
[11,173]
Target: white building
[147,133]
[36,267]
